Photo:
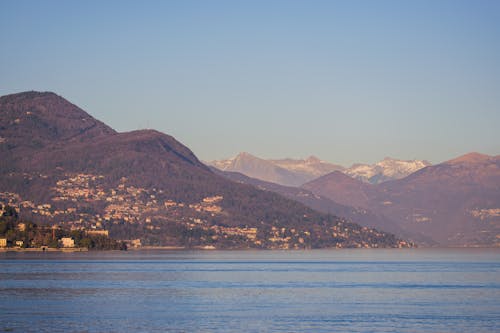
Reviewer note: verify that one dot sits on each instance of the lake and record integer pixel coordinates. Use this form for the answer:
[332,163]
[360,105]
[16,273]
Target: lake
[359,290]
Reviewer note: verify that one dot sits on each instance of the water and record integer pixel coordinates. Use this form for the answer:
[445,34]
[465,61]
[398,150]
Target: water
[414,290]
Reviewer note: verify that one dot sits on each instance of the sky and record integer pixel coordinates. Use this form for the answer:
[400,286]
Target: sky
[346,81]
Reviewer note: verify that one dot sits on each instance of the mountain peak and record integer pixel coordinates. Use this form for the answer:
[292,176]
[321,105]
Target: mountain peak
[339,176]
[472,157]
[340,188]
[387,169]
[42,118]
[288,171]
[313,160]
[144,184]
[29,94]
[244,154]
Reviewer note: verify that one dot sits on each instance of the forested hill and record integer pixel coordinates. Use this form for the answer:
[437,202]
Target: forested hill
[60,165]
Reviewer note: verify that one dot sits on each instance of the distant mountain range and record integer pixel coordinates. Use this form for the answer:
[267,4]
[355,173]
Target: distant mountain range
[60,165]
[387,169]
[292,172]
[324,204]
[455,203]
[287,172]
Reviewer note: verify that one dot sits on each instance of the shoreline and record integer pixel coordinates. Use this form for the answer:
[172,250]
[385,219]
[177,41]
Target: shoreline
[209,249]
[167,248]
[48,249]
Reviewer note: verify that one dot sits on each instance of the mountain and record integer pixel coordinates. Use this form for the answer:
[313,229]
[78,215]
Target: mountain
[32,121]
[60,165]
[323,204]
[311,167]
[255,167]
[342,189]
[456,203]
[293,172]
[387,169]
[302,195]
[287,172]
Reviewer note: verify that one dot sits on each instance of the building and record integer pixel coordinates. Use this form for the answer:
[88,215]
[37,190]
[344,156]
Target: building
[67,242]
[133,243]
[3,242]
[19,243]
[98,232]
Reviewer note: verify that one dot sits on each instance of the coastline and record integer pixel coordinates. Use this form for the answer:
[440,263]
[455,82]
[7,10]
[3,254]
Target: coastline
[49,249]
[209,249]
[146,248]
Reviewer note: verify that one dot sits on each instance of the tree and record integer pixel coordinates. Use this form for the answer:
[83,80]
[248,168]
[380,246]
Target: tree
[10,211]
[54,243]
[86,242]
[3,227]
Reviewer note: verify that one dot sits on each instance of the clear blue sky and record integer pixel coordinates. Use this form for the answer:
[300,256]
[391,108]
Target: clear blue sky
[348,81]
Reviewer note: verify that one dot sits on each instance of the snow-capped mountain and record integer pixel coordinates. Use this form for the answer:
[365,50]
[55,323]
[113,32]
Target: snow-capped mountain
[295,172]
[259,168]
[387,169]
[454,203]
[312,166]
[224,165]
[288,172]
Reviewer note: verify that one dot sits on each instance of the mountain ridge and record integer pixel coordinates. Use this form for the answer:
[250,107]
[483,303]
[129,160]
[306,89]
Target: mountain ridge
[300,171]
[456,203]
[324,204]
[385,170]
[60,165]
[256,167]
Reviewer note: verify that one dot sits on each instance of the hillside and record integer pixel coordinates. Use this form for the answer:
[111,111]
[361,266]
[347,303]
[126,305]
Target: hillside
[323,204]
[60,165]
[456,203]
[342,189]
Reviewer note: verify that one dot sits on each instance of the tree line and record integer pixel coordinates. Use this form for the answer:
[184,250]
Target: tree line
[26,234]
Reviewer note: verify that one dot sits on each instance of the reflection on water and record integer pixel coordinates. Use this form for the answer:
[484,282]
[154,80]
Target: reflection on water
[413,290]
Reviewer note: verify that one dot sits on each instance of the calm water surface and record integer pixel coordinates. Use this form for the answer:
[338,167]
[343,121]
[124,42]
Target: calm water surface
[416,290]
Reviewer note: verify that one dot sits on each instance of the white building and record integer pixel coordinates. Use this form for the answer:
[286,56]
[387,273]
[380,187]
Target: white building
[67,242]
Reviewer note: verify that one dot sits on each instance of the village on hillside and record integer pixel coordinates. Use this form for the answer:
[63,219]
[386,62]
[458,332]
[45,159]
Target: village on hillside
[82,204]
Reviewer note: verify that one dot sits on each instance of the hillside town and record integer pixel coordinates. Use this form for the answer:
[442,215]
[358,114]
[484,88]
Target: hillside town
[17,234]
[81,202]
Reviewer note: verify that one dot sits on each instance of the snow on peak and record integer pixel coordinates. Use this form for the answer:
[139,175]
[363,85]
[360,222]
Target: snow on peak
[312,167]
[387,169]
[313,160]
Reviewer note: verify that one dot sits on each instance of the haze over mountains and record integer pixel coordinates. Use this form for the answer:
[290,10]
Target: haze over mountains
[60,165]
[324,204]
[455,203]
[288,172]
[293,172]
